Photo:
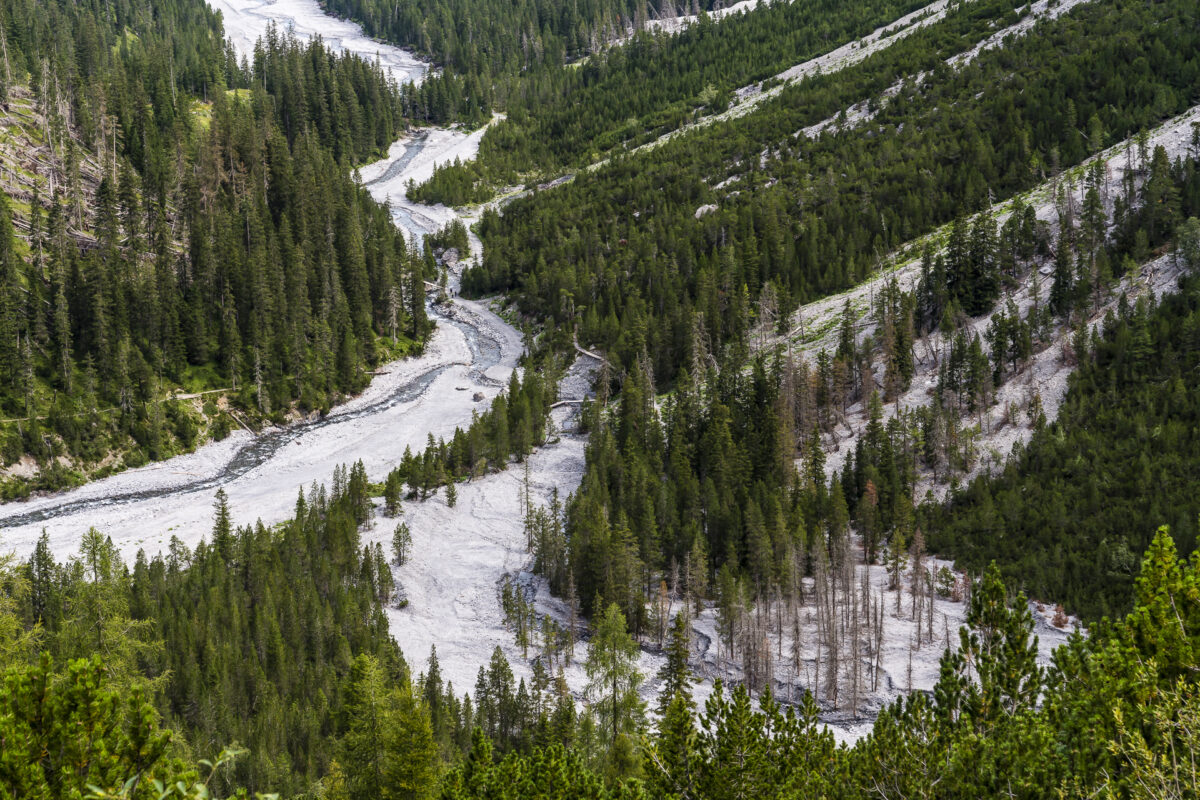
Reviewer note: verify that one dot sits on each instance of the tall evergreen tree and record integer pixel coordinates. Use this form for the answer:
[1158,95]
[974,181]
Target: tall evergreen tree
[613,677]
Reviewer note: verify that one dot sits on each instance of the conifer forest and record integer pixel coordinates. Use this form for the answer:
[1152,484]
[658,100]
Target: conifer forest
[605,400]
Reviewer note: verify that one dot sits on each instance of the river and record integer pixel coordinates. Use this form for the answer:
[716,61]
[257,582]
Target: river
[459,554]
[472,351]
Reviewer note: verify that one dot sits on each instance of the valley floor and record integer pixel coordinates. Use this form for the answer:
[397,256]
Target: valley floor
[461,555]
[144,508]
[247,21]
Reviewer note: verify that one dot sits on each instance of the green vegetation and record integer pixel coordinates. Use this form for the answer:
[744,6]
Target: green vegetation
[703,483]
[229,249]
[1062,516]
[1102,720]
[487,49]
[206,233]
[68,733]
[613,104]
[231,646]
[512,427]
[1095,721]
[621,254]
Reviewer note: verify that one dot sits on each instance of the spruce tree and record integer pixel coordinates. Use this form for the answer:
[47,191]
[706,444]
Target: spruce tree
[388,748]
[675,675]
[222,534]
[613,677]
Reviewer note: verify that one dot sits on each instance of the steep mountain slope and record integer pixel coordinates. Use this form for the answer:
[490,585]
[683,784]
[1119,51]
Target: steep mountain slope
[657,260]
[1006,195]
[554,135]
[185,227]
[814,216]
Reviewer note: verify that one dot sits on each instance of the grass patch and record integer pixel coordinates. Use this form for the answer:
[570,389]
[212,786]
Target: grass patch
[202,114]
[201,378]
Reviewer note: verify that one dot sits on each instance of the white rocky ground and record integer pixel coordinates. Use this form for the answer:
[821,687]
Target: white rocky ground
[413,158]
[860,112]
[246,21]
[816,324]
[668,24]
[460,555]
[485,542]
[143,508]
[905,666]
[671,19]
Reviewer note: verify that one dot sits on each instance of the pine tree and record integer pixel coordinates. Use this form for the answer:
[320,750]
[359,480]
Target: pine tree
[959,273]
[42,582]
[999,645]
[431,693]
[10,323]
[675,675]
[613,677]
[671,755]
[222,536]
[75,731]
[100,622]
[1163,604]
[401,545]
[388,748]
[1187,243]
[393,487]
[983,285]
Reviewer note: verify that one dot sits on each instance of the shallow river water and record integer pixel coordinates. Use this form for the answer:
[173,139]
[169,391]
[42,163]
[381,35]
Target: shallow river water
[473,351]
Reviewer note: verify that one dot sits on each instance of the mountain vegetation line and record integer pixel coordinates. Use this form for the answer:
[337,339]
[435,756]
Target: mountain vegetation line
[216,240]
[191,221]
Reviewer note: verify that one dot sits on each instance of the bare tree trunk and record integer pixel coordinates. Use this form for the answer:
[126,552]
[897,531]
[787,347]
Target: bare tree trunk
[7,67]
[797,644]
[929,606]
[855,655]
[779,622]
[878,643]
[908,687]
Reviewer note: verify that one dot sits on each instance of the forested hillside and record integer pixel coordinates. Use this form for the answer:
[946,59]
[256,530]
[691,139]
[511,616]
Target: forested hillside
[995,721]
[184,225]
[568,118]
[649,218]
[1062,516]
[715,71]
[232,646]
[679,295]
[776,335]
[488,52]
